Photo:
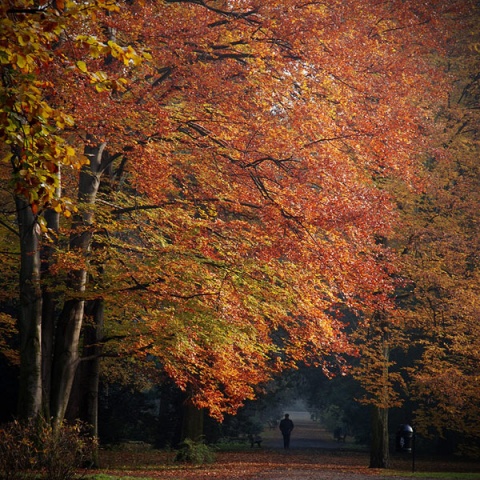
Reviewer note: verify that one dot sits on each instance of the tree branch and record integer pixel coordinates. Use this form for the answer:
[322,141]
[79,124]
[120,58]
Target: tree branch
[227,13]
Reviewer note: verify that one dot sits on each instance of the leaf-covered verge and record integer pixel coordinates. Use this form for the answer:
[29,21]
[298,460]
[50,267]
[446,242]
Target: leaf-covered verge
[323,459]
[275,464]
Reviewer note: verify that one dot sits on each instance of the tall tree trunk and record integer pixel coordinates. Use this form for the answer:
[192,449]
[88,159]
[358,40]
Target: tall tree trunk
[48,329]
[50,302]
[83,402]
[192,423]
[30,313]
[379,451]
[67,340]
[93,349]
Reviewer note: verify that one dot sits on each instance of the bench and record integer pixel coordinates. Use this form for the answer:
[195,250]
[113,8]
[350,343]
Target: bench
[255,440]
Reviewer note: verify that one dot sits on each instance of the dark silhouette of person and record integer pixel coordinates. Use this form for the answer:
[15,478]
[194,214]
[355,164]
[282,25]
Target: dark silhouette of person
[286,427]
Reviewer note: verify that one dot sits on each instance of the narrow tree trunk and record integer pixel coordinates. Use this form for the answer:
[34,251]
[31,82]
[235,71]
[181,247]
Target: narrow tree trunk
[66,357]
[67,340]
[48,329]
[30,313]
[83,401]
[379,451]
[93,348]
[50,302]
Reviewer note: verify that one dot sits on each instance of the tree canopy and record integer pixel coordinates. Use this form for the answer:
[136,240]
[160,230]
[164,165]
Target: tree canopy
[204,182]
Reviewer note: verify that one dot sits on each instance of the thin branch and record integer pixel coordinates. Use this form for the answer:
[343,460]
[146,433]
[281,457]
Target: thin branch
[340,137]
[228,13]
[194,295]
[8,227]
[405,27]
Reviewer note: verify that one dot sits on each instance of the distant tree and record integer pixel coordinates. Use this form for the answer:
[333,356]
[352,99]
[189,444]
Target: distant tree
[440,253]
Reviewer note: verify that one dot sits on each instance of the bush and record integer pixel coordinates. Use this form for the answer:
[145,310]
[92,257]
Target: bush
[63,453]
[33,446]
[194,452]
[18,451]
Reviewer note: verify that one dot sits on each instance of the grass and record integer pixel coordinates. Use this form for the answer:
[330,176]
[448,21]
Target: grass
[435,475]
[101,476]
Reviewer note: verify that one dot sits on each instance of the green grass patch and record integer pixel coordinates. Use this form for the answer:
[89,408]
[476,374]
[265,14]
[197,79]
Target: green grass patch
[436,475]
[232,447]
[102,476]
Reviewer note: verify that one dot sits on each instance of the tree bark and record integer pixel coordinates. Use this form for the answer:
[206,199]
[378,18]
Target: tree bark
[379,451]
[93,348]
[30,313]
[83,401]
[192,422]
[50,306]
[67,341]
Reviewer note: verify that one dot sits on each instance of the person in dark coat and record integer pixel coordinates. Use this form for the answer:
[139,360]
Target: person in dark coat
[286,427]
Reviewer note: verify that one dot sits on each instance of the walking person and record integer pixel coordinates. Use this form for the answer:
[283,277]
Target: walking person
[286,427]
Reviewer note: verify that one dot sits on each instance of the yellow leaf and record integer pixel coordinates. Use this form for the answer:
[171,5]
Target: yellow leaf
[21,61]
[22,41]
[82,66]
[68,120]
[100,87]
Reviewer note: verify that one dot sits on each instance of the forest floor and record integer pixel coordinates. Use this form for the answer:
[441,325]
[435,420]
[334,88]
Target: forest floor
[313,455]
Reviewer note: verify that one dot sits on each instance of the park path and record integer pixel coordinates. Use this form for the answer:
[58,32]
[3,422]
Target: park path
[306,434]
[313,455]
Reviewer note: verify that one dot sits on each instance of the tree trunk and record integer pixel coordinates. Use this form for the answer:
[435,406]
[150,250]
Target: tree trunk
[83,402]
[93,348]
[67,341]
[192,423]
[30,313]
[379,451]
[50,302]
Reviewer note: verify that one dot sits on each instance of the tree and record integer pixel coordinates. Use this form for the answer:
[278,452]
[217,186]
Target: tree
[36,149]
[380,380]
[426,289]
[441,256]
[250,144]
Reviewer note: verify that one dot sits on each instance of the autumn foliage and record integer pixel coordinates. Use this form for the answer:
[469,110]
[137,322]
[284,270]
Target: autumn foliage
[219,168]
[441,257]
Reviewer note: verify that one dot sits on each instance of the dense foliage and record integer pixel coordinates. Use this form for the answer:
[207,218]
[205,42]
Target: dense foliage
[204,188]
